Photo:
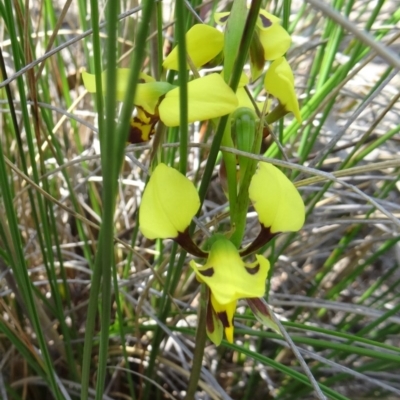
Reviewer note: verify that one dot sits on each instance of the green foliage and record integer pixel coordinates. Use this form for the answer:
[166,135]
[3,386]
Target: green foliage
[92,309]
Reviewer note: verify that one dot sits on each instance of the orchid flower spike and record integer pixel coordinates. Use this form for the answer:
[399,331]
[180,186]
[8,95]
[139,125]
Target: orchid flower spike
[209,97]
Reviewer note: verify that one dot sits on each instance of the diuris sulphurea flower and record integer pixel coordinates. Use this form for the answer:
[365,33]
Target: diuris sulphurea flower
[209,97]
[169,203]
[270,41]
[229,279]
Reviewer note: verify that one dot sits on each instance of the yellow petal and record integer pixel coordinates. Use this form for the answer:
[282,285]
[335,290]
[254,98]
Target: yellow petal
[228,277]
[275,41]
[279,82]
[278,203]
[209,97]
[266,20]
[244,101]
[148,91]
[244,79]
[214,327]
[148,95]
[169,203]
[203,43]
[89,80]
[225,314]
[243,98]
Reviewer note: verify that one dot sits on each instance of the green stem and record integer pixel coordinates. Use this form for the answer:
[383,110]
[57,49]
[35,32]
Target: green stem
[180,12]
[234,82]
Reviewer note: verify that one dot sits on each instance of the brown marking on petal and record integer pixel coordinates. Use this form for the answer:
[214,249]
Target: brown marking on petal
[186,242]
[209,272]
[257,53]
[257,305]
[141,80]
[266,133]
[151,116]
[265,22]
[223,317]
[263,238]
[142,131]
[254,270]
[224,19]
[209,317]
[135,134]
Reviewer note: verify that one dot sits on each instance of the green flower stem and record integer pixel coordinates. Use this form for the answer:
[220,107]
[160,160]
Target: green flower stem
[230,167]
[180,12]
[201,337]
[243,197]
[234,82]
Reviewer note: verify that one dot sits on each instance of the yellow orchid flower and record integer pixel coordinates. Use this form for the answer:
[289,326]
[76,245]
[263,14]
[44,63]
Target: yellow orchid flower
[230,279]
[203,43]
[276,200]
[209,97]
[279,82]
[169,203]
[270,40]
